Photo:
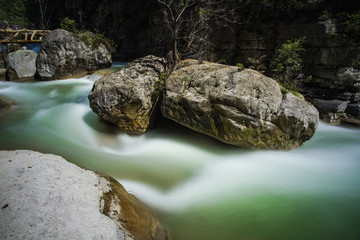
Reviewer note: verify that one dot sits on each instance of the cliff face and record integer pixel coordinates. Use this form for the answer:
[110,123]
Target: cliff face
[137,28]
[134,25]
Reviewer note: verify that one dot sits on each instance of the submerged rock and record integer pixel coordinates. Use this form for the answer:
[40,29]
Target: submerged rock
[127,97]
[236,106]
[45,197]
[64,55]
[5,105]
[2,74]
[21,65]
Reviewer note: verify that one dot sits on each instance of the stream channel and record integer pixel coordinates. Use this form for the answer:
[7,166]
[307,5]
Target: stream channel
[199,188]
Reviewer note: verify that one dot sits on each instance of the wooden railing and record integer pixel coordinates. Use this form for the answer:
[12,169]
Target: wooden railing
[22,36]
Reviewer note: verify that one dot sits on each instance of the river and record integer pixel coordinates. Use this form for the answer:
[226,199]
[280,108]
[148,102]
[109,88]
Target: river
[199,188]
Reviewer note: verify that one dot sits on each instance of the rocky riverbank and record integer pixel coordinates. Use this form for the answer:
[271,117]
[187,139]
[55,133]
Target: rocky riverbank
[45,197]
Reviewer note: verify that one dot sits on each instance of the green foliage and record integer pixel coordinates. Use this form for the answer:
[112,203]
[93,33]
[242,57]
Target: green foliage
[258,64]
[283,7]
[287,65]
[68,24]
[349,25]
[162,78]
[93,39]
[240,65]
[13,11]
[326,15]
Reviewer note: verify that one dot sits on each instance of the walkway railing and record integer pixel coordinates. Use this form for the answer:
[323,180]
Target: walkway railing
[22,36]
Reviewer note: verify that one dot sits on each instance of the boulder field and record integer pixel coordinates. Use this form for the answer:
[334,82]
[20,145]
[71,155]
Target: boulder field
[237,106]
[45,197]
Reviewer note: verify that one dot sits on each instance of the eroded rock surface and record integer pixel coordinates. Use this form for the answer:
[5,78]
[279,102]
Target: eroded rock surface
[21,65]
[239,107]
[64,55]
[45,197]
[126,98]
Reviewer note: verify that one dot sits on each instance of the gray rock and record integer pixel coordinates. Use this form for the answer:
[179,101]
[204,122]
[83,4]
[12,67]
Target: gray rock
[21,65]
[239,107]
[2,74]
[64,55]
[349,75]
[353,110]
[5,105]
[45,197]
[330,106]
[127,97]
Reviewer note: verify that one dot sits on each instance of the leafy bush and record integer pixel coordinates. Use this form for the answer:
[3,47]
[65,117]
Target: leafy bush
[240,65]
[287,65]
[258,63]
[349,25]
[68,24]
[93,39]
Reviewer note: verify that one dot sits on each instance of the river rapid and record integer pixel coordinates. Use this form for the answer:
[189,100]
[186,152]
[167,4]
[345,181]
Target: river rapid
[199,188]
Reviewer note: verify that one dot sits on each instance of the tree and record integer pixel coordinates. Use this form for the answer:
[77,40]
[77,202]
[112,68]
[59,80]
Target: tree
[13,12]
[287,66]
[190,22]
[177,16]
[45,14]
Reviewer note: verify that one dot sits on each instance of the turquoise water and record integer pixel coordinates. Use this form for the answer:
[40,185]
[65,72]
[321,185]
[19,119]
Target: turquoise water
[198,187]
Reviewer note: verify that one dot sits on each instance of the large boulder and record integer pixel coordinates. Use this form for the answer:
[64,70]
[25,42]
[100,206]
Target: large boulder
[64,55]
[236,106]
[127,98]
[21,65]
[45,197]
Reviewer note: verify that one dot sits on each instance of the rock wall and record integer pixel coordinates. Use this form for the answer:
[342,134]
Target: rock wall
[134,25]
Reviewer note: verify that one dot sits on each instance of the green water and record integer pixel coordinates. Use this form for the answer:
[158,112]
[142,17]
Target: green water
[197,187]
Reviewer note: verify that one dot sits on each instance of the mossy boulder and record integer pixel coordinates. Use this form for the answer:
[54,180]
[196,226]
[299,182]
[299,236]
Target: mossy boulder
[65,55]
[237,106]
[127,98]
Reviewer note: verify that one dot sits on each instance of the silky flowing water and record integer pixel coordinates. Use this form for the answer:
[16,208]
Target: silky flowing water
[198,187]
